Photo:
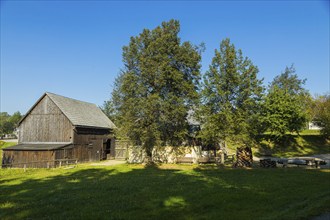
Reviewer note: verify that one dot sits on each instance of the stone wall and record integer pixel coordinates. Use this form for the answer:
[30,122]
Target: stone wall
[163,154]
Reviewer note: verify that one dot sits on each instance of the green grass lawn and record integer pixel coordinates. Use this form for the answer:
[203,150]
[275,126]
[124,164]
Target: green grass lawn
[4,144]
[164,192]
[307,143]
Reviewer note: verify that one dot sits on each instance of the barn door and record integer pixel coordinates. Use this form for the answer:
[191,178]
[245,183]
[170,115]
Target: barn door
[106,149]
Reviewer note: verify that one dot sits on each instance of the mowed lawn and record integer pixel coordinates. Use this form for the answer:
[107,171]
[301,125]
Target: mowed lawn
[163,192]
[307,143]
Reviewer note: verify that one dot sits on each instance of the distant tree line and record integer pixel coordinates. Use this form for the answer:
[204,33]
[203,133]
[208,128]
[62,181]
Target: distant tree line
[161,82]
[8,123]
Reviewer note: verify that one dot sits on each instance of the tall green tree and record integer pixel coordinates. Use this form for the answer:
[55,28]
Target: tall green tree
[5,126]
[157,87]
[15,118]
[286,104]
[231,97]
[8,123]
[109,110]
[322,114]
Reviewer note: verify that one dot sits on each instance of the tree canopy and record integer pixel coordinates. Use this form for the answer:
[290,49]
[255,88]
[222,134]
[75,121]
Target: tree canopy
[8,123]
[157,86]
[109,110]
[160,84]
[231,96]
[285,104]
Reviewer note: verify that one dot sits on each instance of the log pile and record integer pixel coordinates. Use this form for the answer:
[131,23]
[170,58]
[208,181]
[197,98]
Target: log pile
[243,157]
[267,163]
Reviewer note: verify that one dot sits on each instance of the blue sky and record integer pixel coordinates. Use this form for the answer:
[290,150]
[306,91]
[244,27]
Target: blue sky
[75,48]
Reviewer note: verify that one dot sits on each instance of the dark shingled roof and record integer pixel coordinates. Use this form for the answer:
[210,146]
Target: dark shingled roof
[79,113]
[37,146]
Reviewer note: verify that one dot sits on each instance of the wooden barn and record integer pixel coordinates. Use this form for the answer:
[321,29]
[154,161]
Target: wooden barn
[59,129]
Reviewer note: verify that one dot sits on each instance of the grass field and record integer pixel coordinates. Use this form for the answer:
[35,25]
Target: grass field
[307,143]
[164,192]
[4,144]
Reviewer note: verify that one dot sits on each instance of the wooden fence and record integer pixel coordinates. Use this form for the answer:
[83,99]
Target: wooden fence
[121,149]
[41,164]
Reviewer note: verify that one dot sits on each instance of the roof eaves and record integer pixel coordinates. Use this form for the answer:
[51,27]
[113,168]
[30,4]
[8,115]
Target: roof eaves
[95,127]
[36,147]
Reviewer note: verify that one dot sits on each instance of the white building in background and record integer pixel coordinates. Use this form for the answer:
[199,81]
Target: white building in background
[313,126]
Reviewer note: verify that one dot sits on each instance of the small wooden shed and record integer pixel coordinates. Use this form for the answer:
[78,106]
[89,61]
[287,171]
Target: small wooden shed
[57,129]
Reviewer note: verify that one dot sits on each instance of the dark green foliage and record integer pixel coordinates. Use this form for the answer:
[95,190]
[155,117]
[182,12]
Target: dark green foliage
[4,123]
[8,123]
[322,114]
[157,87]
[159,84]
[289,82]
[231,97]
[109,110]
[285,104]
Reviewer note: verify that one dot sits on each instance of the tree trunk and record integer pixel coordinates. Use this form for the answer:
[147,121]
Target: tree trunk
[148,159]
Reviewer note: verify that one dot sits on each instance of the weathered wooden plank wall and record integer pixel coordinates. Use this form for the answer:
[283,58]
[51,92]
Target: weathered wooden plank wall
[113,147]
[33,159]
[121,149]
[66,153]
[88,147]
[45,123]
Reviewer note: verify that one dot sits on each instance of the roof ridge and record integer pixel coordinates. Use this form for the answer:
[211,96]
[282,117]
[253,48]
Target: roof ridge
[51,93]
[79,113]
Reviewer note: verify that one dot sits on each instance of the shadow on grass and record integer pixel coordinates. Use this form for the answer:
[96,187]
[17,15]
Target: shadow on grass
[293,145]
[133,192]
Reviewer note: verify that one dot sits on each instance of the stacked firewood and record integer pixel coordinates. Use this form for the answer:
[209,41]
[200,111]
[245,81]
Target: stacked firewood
[243,157]
[267,163]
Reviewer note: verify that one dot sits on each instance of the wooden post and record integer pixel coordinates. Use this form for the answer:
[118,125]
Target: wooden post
[60,163]
[24,168]
[222,160]
[47,165]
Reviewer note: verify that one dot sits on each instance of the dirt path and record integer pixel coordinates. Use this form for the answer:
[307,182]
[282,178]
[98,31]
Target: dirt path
[109,163]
